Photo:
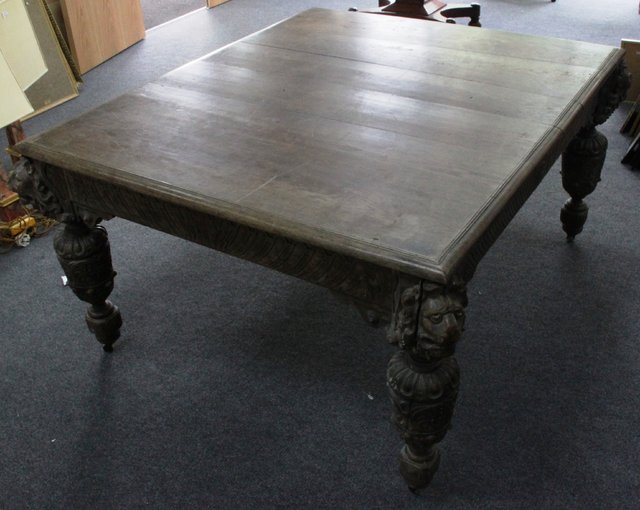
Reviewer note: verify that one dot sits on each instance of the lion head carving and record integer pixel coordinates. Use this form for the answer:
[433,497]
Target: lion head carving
[429,320]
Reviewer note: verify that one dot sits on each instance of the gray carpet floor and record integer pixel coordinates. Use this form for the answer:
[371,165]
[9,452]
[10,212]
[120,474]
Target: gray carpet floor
[237,387]
[157,12]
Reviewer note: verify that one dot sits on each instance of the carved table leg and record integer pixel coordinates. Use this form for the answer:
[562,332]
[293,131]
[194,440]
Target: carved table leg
[423,376]
[582,164]
[85,257]
[82,248]
[583,159]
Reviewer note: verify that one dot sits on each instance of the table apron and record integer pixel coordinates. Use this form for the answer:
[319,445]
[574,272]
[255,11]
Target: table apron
[368,285]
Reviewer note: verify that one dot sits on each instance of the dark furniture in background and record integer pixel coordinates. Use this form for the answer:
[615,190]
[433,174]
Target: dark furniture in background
[433,10]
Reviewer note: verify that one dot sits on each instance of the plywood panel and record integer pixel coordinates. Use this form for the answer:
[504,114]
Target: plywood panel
[99,29]
[213,3]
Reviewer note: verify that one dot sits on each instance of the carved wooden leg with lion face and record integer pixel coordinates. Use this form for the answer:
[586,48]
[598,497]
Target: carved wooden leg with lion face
[423,376]
[82,246]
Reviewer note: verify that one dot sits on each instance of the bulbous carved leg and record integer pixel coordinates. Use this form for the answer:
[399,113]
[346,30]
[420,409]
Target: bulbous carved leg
[582,164]
[423,376]
[583,159]
[85,257]
[423,400]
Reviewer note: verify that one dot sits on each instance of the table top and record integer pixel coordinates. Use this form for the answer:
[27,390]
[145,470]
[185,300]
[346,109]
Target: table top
[398,141]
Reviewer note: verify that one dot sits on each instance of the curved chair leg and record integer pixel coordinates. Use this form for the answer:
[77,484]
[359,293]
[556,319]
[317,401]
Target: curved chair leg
[463,11]
[433,10]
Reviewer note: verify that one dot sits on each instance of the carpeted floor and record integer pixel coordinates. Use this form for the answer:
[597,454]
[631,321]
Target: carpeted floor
[237,387]
[157,12]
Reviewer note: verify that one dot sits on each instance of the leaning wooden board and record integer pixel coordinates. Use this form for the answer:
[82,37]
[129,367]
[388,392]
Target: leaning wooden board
[100,29]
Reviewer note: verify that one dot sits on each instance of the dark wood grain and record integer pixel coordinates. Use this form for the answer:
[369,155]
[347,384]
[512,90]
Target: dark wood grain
[393,138]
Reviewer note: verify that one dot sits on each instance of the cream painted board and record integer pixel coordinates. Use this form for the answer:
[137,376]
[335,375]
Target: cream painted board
[19,45]
[14,104]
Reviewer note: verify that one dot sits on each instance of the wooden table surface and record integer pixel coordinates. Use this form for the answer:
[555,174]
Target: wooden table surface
[396,140]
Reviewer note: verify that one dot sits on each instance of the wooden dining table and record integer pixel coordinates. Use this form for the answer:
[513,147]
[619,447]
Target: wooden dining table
[376,156]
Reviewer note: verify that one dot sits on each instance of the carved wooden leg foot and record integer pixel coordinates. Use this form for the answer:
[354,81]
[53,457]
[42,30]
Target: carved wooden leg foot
[582,164]
[573,216]
[423,400]
[85,257]
[418,471]
[104,321]
[423,377]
